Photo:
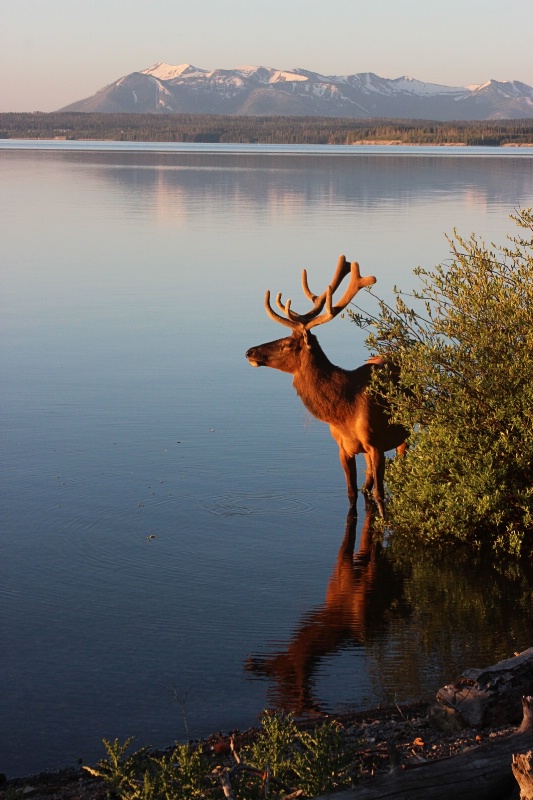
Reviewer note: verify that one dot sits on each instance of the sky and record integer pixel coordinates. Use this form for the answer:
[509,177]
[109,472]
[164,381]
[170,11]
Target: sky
[55,52]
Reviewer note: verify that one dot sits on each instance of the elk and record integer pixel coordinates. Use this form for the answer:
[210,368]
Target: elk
[359,421]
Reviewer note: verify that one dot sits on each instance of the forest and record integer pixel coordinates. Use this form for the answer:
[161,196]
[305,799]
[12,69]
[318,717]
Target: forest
[260,130]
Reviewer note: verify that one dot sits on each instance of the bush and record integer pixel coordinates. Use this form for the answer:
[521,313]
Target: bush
[464,346]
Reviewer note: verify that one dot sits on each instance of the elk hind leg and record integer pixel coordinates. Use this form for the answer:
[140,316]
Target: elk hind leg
[376,459]
[369,475]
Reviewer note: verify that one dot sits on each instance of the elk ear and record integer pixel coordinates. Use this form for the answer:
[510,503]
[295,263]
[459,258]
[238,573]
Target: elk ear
[305,338]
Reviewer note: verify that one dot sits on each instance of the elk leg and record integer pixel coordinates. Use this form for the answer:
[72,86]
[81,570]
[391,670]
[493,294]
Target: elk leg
[350,472]
[369,481]
[377,460]
[369,478]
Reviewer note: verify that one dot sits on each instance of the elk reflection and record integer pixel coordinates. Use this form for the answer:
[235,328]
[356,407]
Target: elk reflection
[362,587]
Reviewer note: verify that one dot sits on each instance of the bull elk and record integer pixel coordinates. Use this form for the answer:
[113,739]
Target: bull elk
[358,420]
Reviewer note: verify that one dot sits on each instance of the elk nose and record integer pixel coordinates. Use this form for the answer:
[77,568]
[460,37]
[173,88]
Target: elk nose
[253,357]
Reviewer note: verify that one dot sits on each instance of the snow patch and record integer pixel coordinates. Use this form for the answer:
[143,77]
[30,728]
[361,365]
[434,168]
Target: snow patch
[166,72]
[248,70]
[475,87]
[420,88]
[280,77]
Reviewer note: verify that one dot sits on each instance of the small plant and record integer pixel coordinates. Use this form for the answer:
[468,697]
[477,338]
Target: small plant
[117,770]
[323,763]
[293,759]
[181,774]
[274,746]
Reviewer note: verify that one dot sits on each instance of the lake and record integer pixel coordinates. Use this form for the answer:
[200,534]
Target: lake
[176,555]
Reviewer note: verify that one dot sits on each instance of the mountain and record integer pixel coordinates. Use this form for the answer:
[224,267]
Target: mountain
[264,91]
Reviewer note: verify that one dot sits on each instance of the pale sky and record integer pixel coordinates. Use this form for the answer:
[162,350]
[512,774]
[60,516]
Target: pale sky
[55,52]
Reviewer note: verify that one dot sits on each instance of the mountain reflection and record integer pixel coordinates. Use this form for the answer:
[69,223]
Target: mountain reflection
[178,184]
[362,587]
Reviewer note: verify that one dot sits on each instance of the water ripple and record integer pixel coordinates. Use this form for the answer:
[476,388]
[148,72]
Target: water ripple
[229,505]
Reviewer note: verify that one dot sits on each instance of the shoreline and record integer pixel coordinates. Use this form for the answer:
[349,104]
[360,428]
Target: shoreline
[419,709]
[411,727]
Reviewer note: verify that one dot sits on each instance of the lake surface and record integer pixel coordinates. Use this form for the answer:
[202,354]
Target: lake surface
[175,549]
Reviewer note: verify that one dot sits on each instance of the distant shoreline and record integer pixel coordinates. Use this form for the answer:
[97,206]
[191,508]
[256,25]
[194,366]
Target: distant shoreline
[399,143]
[359,143]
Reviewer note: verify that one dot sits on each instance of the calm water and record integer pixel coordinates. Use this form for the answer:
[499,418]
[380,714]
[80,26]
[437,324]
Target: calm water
[175,549]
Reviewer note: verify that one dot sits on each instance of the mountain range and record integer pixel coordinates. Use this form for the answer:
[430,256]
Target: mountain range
[265,91]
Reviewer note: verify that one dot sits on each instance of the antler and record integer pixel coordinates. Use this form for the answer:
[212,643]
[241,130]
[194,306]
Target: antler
[343,269]
[314,317]
[357,282]
[274,315]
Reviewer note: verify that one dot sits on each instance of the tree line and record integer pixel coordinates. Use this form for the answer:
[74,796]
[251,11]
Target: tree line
[259,130]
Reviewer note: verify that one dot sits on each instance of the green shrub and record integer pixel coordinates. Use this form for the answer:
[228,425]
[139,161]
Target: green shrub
[464,345]
[315,761]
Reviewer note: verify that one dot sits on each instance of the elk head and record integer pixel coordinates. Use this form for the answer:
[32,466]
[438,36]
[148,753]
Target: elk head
[286,354]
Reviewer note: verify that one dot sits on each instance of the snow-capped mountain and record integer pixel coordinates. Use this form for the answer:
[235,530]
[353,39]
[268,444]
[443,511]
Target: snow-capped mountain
[265,91]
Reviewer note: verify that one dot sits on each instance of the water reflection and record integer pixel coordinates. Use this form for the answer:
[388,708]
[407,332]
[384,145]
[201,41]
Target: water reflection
[176,185]
[418,617]
[468,610]
[363,587]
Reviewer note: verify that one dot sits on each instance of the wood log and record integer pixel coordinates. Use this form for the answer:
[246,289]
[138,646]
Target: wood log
[523,772]
[487,696]
[482,773]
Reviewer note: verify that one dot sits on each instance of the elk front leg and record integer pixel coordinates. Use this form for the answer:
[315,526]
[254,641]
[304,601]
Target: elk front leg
[350,472]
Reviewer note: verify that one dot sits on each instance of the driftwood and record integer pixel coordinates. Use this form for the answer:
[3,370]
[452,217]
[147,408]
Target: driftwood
[482,773]
[487,696]
[523,772]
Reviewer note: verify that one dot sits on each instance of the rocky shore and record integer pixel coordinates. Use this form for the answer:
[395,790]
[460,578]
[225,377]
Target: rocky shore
[407,734]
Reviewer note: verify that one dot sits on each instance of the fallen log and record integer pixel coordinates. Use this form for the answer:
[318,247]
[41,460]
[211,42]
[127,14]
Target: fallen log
[487,696]
[482,773]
